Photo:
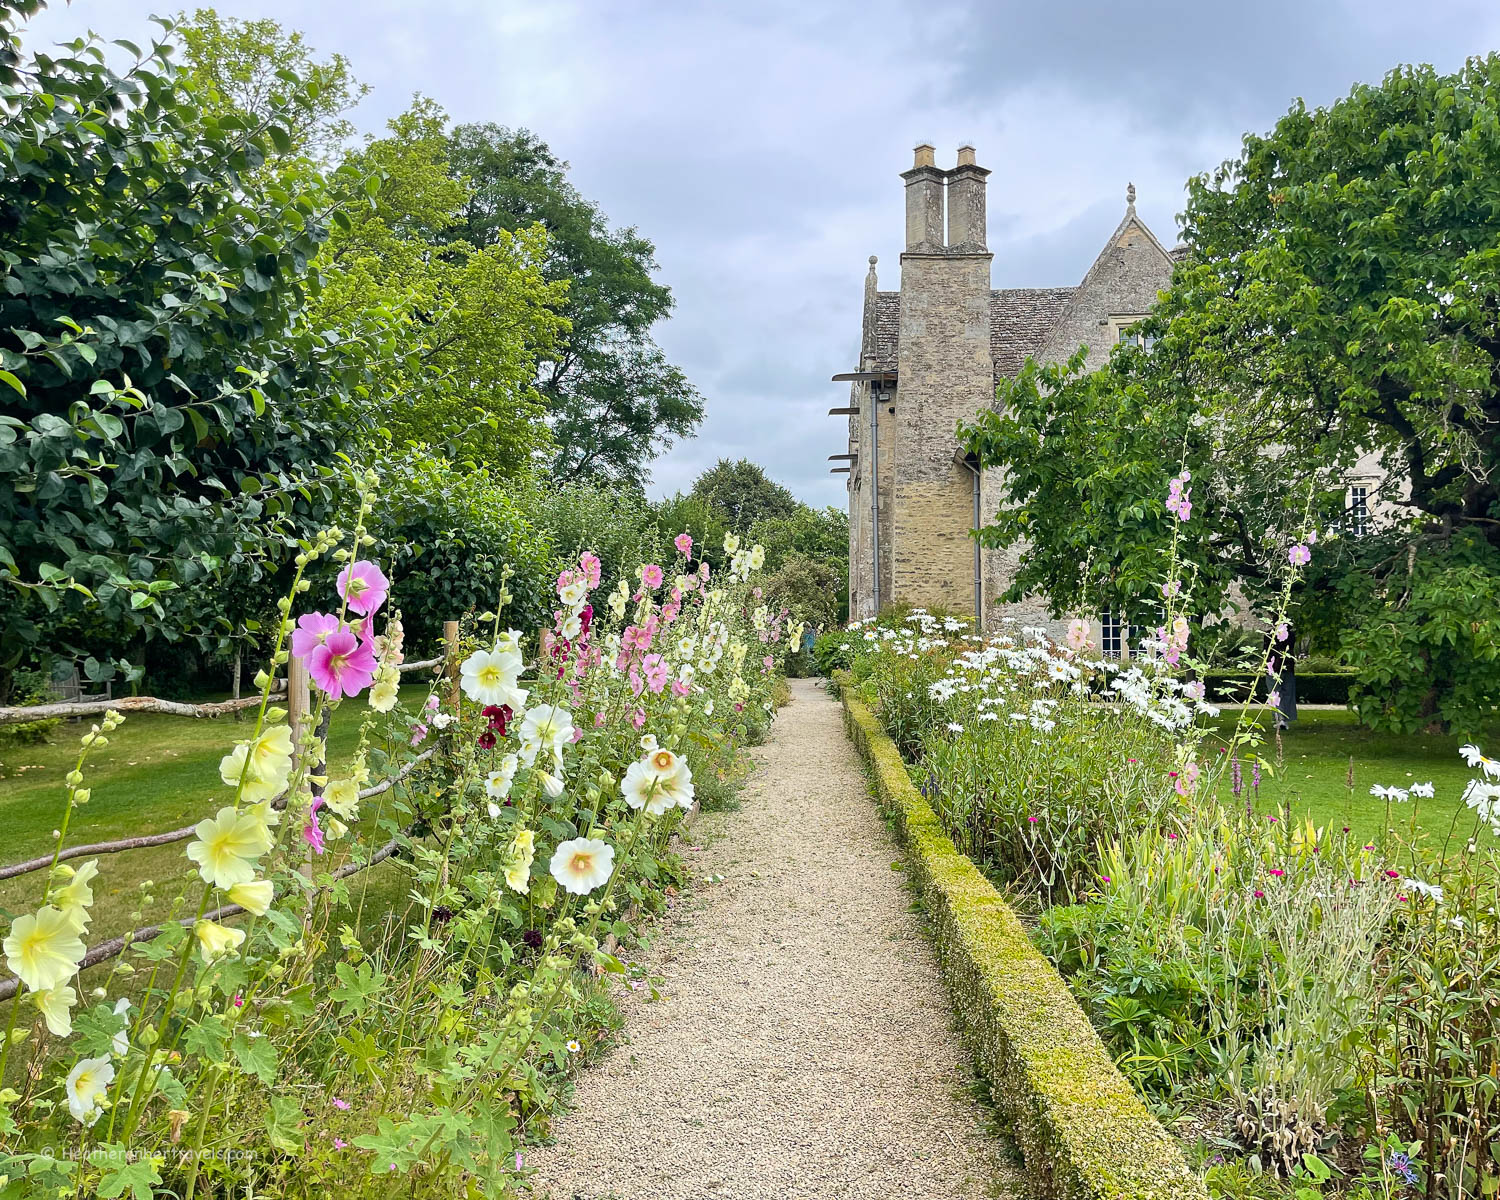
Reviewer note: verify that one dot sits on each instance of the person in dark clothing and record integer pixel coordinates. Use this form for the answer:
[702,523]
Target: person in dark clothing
[1283,665]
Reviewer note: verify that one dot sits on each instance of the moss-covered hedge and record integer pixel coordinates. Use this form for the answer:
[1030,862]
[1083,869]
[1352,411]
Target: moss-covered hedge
[1084,1132]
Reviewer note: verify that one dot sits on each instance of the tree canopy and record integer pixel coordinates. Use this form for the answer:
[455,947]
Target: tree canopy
[614,399]
[742,494]
[1340,298]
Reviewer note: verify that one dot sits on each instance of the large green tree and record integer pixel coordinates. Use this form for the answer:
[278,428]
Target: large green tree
[459,328]
[742,494]
[172,417]
[615,400]
[1340,298]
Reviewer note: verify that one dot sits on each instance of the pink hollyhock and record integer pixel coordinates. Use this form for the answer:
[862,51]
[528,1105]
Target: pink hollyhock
[679,688]
[592,568]
[1299,555]
[638,718]
[651,576]
[418,733]
[684,544]
[312,832]
[636,686]
[669,612]
[657,672]
[768,662]
[312,631]
[364,586]
[703,572]
[342,665]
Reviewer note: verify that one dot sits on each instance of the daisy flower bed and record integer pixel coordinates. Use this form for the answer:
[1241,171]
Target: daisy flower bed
[1309,1010]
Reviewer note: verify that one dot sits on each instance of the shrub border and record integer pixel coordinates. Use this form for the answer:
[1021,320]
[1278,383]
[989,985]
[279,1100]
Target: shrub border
[1083,1131]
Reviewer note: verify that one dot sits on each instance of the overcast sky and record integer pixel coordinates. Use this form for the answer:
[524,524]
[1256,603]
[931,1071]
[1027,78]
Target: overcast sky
[759,144]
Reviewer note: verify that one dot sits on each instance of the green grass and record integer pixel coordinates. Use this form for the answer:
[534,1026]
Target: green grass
[1312,772]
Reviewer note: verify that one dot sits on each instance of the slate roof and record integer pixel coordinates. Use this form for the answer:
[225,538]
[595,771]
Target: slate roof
[1020,320]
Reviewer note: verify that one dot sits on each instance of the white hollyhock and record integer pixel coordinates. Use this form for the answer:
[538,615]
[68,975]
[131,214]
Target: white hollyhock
[492,677]
[498,782]
[582,864]
[87,1085]
[546,727]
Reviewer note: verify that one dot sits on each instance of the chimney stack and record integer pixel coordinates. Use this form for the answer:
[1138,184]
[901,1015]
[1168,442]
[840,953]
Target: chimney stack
[924,203]
[966,205]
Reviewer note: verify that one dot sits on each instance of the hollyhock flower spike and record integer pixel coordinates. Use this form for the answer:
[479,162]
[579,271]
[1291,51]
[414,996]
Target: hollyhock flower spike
[652,576]
[363,586]
[592,568]
[342,665]
[684,544]
[1299,555]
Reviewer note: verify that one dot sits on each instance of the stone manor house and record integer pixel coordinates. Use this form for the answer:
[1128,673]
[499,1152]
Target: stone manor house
[930,354]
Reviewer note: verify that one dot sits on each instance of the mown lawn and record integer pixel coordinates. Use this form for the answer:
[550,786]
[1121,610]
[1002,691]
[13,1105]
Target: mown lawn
[1315,760]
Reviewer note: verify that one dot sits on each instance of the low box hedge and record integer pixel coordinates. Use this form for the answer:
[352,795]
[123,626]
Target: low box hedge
[1322,687]
[1083,1131]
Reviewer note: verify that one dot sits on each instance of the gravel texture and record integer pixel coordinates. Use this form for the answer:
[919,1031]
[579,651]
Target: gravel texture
[803,1045]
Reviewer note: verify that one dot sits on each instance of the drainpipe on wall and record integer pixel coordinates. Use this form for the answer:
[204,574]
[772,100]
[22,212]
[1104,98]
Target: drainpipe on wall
[973,465]
[873,398]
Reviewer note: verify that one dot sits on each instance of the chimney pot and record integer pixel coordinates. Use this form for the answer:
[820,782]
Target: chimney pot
[926,156]
[966,156]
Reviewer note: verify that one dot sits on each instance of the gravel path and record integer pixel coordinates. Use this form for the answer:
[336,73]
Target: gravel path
[803,1045]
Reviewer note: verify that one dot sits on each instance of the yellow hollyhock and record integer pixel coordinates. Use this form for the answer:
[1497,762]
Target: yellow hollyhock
[227,847]
[215,941]
[56,1005]
[43,949]
[253,897]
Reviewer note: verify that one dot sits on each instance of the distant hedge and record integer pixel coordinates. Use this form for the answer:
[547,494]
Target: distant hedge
[1330,687]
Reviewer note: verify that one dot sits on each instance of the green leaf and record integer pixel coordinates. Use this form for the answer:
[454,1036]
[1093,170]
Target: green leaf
[123,1172]
[7,377]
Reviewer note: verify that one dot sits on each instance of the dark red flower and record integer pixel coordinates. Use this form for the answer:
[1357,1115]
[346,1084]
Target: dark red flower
[532,938]
[586,619]
[487,740]
[499,717]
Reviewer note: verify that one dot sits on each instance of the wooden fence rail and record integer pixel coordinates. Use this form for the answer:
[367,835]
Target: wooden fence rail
[113,948]
[11,714]
[177,835]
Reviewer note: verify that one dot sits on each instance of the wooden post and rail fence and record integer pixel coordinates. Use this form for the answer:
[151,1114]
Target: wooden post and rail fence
[295,692]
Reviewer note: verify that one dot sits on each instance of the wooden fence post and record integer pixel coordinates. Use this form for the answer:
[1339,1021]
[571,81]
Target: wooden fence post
[297,706]
[450,661]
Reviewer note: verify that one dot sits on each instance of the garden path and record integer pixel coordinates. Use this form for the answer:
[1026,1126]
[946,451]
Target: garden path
[803,1045]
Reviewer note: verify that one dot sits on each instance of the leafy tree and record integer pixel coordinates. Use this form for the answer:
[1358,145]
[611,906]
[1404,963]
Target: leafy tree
[448,533]
[173,417]
[1341,297]
[742,494]
[461,328]
[811,588]
[239,66]
[615,400]
[810,537]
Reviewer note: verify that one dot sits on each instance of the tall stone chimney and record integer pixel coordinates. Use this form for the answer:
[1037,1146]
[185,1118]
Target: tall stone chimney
[924,202]
[945,375]
[966,225]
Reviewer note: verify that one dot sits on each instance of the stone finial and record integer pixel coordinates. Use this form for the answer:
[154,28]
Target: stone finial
[925,156]
[873,261]
[966,155]
[1130,194]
